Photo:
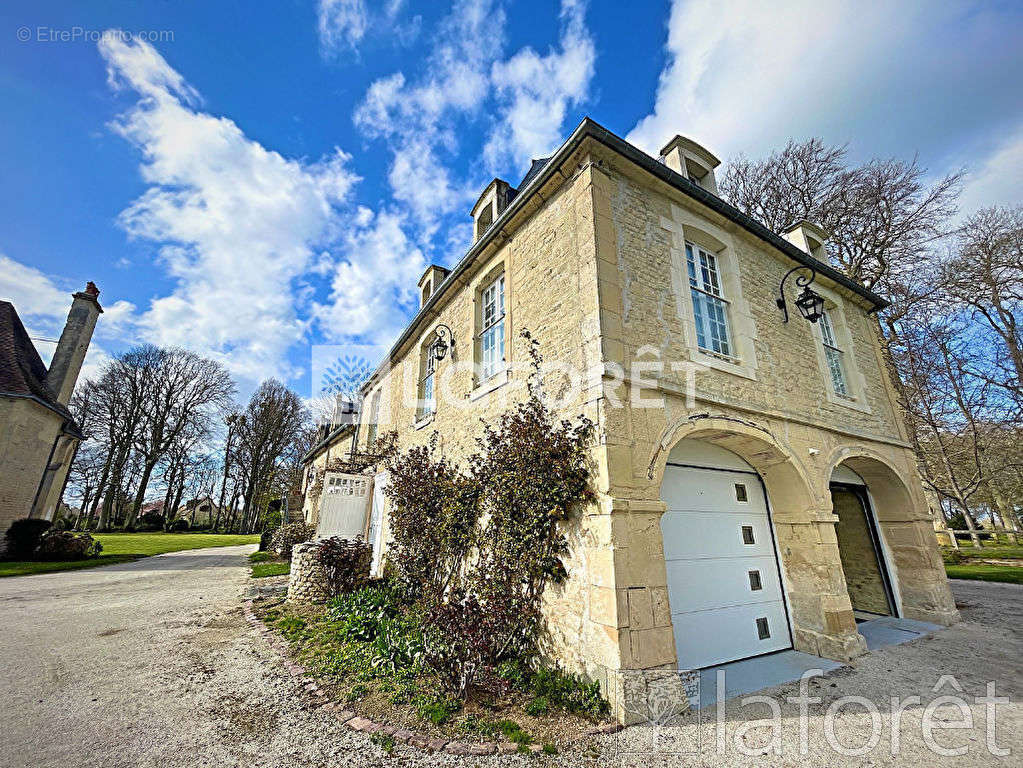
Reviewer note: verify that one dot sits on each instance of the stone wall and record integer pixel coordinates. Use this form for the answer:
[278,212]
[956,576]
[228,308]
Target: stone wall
[307,584]
[27,434]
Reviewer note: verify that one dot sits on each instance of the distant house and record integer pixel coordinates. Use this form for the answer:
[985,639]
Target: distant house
[38,435]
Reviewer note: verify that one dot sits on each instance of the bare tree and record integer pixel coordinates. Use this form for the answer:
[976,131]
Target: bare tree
[273,422]
[881,215]
[985,277]
[184,393]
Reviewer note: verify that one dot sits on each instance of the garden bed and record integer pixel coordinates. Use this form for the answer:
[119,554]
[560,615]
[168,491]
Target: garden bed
[364,649]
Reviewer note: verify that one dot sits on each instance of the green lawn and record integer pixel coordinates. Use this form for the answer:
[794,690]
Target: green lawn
[143,544]
[268,564]
[984,572]
[1001,552]
[262,570]
[124,547]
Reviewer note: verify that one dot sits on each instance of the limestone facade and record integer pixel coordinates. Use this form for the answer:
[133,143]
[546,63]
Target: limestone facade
[38,435]
[592,254]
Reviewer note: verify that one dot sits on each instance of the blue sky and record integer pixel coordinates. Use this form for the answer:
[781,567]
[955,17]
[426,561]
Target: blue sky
[259,178]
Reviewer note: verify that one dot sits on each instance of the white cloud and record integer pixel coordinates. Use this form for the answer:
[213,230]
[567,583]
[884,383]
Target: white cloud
[237,222]
[374,285]
[30,291]
[43,309]
[345,24]
[416,117]
[892,78]
[342,24]
[997,179]
[536,91]
[465,79]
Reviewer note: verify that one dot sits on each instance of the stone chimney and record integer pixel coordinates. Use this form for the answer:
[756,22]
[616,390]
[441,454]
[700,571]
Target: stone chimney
[692,160]
[74,343]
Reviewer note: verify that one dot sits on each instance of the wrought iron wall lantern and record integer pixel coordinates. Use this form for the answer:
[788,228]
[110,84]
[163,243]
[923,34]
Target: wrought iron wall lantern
[809,302]
[443,342]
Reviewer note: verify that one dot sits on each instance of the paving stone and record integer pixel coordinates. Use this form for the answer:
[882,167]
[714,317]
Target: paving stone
[483,749]
[436,745]
[359,723]
[457,748]
[344,715]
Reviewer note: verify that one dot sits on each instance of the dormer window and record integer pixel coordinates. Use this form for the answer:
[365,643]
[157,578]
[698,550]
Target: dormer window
[693,161]
[430,282]
[491,203]
[808,237]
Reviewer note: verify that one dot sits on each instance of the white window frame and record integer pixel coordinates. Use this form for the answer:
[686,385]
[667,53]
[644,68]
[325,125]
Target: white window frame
[427,405]
[713,334]
[839,341]
[374,418]
[492,331]
[834,356]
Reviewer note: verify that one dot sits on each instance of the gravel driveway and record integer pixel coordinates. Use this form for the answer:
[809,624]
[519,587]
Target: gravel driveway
[151,664]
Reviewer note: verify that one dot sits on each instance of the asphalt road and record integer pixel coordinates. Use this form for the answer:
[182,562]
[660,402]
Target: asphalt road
[150,663]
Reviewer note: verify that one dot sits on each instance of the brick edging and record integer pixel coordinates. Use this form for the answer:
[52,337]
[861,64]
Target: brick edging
[417,739]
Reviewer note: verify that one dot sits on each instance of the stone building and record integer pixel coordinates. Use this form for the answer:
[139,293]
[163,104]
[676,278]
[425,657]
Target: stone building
[38,436]
[756,488]
[333,444]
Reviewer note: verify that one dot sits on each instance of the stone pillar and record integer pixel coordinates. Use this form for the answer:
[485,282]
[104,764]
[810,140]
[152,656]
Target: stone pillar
[307,584]
[821,612]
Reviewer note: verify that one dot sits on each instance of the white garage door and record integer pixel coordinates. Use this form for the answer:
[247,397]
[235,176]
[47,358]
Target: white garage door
[723,582]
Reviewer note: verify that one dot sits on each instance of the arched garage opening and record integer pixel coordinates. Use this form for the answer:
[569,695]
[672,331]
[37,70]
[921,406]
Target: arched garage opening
[861,546]
[725,586]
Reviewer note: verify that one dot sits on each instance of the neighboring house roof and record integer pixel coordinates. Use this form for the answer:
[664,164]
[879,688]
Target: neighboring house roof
[22,372]
[541,170]
[331,438]
[153,506]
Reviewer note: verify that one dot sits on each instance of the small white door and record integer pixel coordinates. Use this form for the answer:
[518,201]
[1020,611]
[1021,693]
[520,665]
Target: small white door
[723,583]
[344,503]
[376,522]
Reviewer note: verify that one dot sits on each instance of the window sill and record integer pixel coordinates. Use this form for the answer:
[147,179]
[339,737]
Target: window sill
[725,364]
[487,386]
[848,401]
[424,421]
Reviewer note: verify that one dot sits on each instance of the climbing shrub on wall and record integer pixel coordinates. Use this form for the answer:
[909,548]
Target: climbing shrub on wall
[479,546]
[434,513]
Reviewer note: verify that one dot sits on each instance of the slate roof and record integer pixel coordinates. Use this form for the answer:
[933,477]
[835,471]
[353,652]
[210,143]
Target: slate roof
[22,372]
[535,166]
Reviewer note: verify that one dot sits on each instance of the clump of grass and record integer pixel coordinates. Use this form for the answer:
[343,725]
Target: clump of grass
[356,692]
[260,557]
[439,711]
[263,570]
[384,741]
[555,689]
[538,706]
[549,749]
[513,732]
